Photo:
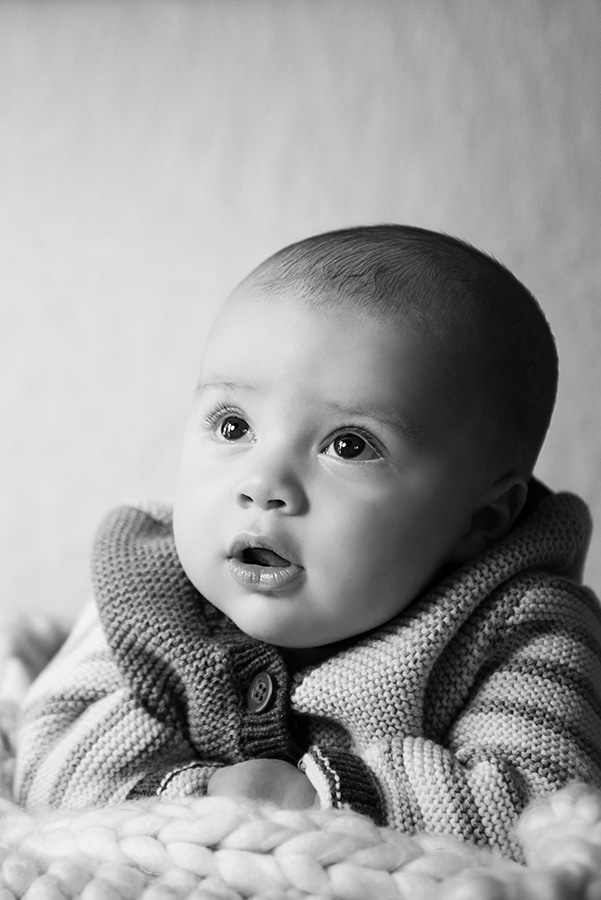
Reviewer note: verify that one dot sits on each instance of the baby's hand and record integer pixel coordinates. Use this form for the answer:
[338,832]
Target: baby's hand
[264,779]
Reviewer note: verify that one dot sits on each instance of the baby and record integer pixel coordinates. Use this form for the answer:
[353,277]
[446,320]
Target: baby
[363,599]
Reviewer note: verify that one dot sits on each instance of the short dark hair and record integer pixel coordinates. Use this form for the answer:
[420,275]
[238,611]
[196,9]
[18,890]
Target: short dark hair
[491,332]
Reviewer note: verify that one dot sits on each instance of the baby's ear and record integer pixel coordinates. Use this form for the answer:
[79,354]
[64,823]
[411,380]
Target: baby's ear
[493,519]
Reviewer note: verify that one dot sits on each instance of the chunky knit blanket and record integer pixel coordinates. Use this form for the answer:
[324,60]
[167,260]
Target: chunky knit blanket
[217,849]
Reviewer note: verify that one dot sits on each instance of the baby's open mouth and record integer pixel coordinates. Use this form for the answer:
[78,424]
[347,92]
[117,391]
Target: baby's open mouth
[256,565]
[261,556]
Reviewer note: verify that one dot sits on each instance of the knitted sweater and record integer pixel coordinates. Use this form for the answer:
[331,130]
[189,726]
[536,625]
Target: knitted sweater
[482,694]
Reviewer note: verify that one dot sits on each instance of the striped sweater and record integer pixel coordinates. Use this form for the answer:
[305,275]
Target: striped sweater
[484,693]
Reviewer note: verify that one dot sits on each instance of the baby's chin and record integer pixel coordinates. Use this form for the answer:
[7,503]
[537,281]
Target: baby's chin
[292,645]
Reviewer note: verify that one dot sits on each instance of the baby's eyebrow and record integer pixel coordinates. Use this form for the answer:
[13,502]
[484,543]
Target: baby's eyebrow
[219,384]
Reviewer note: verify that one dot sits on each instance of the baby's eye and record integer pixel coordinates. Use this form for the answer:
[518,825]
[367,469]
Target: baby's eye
[351,446]
[227,424]
[233,428]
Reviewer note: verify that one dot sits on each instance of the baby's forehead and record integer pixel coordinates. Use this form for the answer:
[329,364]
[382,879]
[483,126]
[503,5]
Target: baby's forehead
[425,324]
[430,335]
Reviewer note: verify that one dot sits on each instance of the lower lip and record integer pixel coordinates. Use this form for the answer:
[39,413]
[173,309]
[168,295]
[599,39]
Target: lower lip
[264,578]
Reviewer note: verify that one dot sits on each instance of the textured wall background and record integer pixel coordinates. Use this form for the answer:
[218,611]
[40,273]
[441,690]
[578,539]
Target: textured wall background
[152,152]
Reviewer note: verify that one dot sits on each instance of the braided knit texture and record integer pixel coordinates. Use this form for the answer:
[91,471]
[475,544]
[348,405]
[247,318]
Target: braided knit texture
[219,849]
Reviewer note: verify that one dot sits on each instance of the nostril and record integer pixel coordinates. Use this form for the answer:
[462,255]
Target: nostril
[251,499]
[282,494]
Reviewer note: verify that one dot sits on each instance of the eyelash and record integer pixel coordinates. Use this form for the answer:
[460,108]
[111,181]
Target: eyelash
[213,418]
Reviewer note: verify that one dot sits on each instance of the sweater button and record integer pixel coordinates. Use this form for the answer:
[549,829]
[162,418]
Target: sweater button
[260,692]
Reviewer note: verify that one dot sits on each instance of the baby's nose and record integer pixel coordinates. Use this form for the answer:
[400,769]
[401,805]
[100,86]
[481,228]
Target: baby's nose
[271,486]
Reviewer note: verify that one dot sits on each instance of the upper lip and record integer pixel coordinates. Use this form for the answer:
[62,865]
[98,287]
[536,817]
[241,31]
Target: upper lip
[247,539]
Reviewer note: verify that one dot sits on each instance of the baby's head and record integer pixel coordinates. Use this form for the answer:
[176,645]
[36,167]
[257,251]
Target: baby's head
[370,408]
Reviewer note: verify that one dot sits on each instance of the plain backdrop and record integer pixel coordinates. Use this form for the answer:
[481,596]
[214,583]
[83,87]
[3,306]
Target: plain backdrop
[152,151]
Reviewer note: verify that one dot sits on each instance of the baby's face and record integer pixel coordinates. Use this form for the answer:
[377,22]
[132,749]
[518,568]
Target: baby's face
[326,477]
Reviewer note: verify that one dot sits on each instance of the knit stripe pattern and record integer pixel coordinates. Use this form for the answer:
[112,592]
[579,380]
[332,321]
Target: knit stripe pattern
[482,695]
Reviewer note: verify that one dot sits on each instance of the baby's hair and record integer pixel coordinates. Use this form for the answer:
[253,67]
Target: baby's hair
[497,351]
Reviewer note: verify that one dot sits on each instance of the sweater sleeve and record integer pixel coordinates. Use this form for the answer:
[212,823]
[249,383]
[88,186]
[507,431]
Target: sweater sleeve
[529,721]
[84,738]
